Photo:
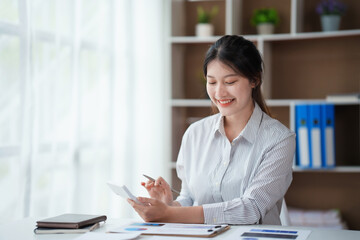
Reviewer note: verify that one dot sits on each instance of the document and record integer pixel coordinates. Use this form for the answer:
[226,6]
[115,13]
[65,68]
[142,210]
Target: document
[328,135]
[315,135]
[302,136]
[122,191]
[107,236]
[254,232]
[172,229]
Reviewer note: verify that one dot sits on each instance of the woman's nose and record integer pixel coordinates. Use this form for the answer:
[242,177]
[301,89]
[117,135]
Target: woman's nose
[220,90]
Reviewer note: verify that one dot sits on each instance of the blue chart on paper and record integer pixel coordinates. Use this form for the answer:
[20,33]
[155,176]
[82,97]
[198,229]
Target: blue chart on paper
[254,234]
[135,229]
[149,224]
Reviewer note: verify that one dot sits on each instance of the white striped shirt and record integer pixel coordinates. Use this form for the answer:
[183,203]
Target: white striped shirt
[242,182]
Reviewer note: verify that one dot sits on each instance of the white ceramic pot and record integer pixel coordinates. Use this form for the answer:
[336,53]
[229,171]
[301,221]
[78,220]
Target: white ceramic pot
[204,30]
[330,22]
[265,28]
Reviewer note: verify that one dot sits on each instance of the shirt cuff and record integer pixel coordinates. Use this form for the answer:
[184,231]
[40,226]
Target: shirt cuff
[184,201]
[214,213]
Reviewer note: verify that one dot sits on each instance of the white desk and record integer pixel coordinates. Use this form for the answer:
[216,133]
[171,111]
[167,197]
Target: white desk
[23,230]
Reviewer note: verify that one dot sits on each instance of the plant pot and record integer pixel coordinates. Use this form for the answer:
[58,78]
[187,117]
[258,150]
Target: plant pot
[204,30]
[265,28]
[330,22]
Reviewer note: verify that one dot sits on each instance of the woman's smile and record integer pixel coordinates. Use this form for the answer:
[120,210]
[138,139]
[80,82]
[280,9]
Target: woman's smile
[225,102]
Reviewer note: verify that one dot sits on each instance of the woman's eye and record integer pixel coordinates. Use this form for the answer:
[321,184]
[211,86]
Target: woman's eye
[211,83]
[229,83]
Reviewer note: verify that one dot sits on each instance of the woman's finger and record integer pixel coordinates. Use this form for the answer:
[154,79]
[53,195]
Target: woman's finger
[161,182]
[148,201]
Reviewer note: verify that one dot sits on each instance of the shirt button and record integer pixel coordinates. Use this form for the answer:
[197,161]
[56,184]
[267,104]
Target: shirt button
[232,143]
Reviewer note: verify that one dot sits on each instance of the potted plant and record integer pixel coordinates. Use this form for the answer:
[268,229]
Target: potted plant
[204,28]
[330,12]
[265,20]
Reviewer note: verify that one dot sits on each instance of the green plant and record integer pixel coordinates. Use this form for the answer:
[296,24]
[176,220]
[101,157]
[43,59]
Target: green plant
[265,15]
[205,16]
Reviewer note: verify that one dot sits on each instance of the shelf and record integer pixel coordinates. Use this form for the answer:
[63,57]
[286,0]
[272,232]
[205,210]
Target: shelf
[303,65]
[269,102]
[308,35]
[190,103]
[339,169]
[272,37]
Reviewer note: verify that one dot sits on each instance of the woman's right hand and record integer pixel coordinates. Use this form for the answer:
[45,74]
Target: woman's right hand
[160,190]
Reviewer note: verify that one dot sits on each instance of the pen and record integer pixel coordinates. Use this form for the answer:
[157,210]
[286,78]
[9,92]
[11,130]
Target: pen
[151,179]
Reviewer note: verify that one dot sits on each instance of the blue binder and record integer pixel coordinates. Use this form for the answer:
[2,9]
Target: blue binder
[328,135]
[314,117]
[302,136]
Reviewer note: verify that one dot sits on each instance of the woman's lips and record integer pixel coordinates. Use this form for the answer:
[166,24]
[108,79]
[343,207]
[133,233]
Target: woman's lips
[225,102]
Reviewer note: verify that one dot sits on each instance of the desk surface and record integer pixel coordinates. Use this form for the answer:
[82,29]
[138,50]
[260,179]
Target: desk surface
[23,230]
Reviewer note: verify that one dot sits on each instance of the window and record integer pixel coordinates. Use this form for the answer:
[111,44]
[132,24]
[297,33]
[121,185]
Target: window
[56,68]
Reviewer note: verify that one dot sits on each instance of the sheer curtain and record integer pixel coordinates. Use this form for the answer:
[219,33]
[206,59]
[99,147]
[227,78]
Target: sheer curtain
[82,101]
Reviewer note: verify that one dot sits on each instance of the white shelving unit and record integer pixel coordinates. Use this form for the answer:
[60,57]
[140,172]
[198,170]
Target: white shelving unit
[334,70]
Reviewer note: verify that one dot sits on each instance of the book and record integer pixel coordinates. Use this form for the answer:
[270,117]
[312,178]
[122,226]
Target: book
[85,229]
[70,220]
[172,229]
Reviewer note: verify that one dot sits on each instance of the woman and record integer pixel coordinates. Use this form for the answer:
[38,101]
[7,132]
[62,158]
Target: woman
[235,166]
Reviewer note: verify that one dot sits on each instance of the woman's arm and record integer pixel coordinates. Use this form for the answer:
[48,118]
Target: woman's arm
[153,210]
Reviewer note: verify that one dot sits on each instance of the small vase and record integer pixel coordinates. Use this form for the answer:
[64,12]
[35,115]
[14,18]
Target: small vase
[265,28]
[204,30]
[330,22]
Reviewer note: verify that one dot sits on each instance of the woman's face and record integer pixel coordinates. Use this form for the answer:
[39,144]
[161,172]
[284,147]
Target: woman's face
[229,91]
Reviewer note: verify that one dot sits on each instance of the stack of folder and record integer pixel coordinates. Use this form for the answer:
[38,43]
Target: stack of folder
[317,218]
[315,136]
[69,223]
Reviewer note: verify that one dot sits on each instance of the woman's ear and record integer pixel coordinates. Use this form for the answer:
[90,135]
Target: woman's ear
[254,83]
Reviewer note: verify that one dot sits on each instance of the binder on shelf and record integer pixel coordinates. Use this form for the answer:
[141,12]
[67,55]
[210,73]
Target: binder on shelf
[314,117]
[302,136]
[328,135]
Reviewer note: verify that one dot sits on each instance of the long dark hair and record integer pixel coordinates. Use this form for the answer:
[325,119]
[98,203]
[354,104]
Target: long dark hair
[243,57]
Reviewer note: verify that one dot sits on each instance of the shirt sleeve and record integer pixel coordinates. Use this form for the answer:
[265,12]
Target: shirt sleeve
[184,198]
[268,186]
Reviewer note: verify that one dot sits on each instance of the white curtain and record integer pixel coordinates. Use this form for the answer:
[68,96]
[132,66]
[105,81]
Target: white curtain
[82,101]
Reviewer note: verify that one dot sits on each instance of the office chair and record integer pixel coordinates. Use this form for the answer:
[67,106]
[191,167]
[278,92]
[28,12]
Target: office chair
[284,215]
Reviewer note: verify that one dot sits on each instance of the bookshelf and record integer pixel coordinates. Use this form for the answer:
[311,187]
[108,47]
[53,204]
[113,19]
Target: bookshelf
[302,64]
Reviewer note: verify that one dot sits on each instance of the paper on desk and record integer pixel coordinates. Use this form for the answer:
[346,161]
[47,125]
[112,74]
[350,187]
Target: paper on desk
[175,238]
[107,236]
[200,230]
[259,233]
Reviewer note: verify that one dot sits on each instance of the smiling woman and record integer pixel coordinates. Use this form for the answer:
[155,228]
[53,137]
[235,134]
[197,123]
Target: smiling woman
[235,166]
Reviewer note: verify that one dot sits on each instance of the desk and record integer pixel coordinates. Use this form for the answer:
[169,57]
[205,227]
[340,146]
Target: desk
[23,230]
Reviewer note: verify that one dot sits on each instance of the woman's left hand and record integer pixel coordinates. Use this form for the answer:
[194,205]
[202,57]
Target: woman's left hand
[160,190]
[151,209]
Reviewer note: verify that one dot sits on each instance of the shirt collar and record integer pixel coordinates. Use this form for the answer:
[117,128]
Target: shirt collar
[251,128]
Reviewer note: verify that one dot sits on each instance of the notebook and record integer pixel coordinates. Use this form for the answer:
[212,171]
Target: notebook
[70,220]
[85,229]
